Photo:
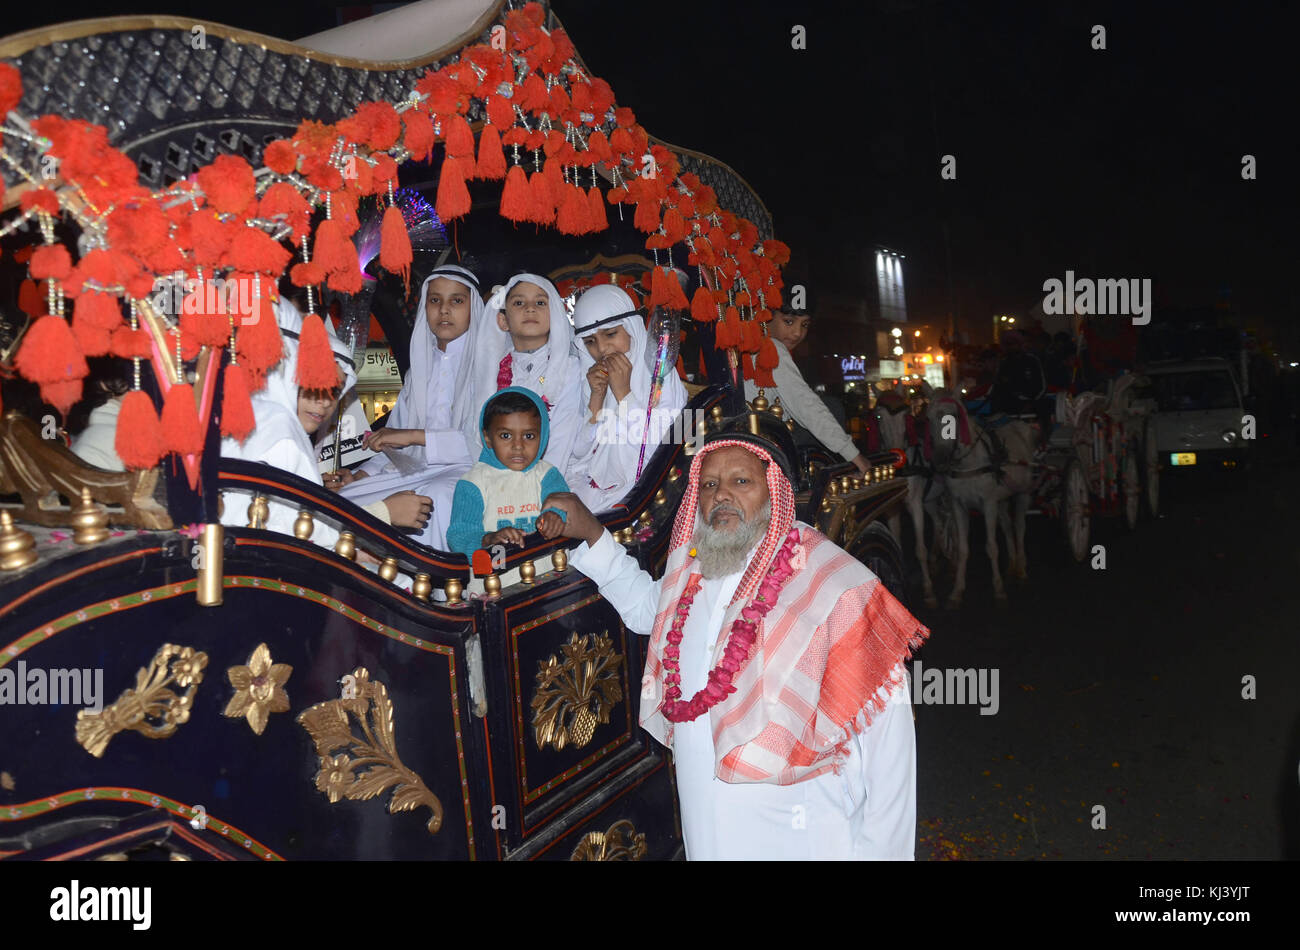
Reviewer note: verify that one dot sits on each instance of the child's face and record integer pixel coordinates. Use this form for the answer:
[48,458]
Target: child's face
[607,340]
[315,406]
[788,329]
[527,316]
[515,438]
[446,307]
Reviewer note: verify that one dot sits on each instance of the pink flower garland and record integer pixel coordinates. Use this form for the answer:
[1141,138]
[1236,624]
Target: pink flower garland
[504,373]
[744,631]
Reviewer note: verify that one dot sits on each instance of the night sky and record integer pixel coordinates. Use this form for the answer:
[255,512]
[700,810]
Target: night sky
[1123,162]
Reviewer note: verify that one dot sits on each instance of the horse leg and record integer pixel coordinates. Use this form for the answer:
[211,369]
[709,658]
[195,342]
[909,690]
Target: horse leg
[1020,514]
[916,508]
[962,520]
[992,508]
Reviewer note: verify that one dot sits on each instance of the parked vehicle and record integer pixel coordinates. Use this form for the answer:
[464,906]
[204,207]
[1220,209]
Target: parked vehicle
[1201,420]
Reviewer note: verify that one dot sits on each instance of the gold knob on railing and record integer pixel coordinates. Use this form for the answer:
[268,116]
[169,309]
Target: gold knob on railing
[346,545]
[789,424]
[258,511]
[846,484]
[661,497]
[857,482]
[777,410]
[492,585]
[208,590]
[675,474]
[527,572]
[560,560]
[422,587]
[303,525]
[453,587]
[716,413]
[760,403]
[832,488]
[17,547]
[645,520]
[89,520]
[388,569]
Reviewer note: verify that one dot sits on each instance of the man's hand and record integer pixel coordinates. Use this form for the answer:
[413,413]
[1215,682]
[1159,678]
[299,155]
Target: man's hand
[505,536]
[578,521]
[394,439]
[550,525]
[619,368]
[861,463]
[406,509]
[336,480]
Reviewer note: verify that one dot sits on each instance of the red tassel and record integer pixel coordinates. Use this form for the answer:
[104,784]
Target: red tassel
[453,197]
[333,251]
[98,310]
[50,354]
[257,343]
[316,367]
[138,441]
[542,200]
[237,419]
[647,215]
[93,340]
[30,299]
[596,210]
[666,291]
[703,309]
[346,281]
[747,365]
[280,157]
[491,159]
[417,137]
[284,199]
[395,245]
[515,196]
[674,226]
[62,395]
[181,431]
[307,274]
[727,333]
[767,355]
[753,336]
[457,136]
[228,184]
[574,217]
[763,377]
[126,343]
[344,205]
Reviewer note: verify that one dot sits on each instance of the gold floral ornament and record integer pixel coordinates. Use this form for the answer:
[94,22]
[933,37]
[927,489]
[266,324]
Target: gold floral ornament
[577,694]
[259,689]
[622,842]
[150,709]
[361,767]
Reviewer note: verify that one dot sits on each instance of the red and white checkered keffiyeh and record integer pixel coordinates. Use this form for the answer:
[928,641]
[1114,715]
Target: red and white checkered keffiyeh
[825,660]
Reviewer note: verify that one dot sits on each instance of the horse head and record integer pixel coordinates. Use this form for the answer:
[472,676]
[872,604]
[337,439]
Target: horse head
[944,408]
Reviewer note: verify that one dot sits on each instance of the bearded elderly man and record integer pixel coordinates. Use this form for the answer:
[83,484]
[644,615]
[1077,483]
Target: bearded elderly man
[774,670]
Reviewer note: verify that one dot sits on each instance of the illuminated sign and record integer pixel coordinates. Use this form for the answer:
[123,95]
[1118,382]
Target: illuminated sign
[853,367]
[891,369]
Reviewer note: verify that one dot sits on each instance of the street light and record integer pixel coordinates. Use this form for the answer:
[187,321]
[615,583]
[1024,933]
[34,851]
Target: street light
[895,333]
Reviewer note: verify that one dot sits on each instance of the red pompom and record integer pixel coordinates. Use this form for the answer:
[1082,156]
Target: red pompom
[11,88]
[181,430]
[344,212]
[282,199]
[139,229]
[491,159]
[93,340]
[43,198]
[767,355]
[647,215]
[50,260]
[316,367]
[237,419]
[49,353]
[703,309]
[138,440]
[516,198]
[62,395]
[210,236]
[228,184]
[98,310]
[205,316]
[30,299]
[395,244]
[453,197]
[307,274]
[127,343]
[280,157]
[257,338]
[596,210]
[253,250]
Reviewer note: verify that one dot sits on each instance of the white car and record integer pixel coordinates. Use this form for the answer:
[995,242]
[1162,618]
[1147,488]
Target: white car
[1201,421]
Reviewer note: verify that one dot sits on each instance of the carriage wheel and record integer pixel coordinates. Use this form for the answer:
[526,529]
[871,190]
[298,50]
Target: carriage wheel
[1074,510]
[879,551]
[1151,475]
[1130,488]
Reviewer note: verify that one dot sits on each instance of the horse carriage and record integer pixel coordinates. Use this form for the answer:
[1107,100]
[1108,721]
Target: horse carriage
[176,689]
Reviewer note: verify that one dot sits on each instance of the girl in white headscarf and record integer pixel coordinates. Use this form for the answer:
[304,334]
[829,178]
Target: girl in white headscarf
[617,358]
[528,344]
[423,447]
[286,419]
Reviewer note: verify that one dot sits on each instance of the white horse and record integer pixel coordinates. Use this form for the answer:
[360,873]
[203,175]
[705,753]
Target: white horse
[986,470]
[924,491]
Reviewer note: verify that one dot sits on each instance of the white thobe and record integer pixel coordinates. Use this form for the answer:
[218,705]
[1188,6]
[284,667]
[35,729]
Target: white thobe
[804,406]
[867,811]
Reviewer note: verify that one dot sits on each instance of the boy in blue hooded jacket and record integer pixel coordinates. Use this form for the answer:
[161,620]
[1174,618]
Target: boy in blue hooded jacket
[499,500]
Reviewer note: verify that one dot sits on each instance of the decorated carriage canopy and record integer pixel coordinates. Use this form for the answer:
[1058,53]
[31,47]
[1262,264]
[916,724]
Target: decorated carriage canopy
[175,265]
